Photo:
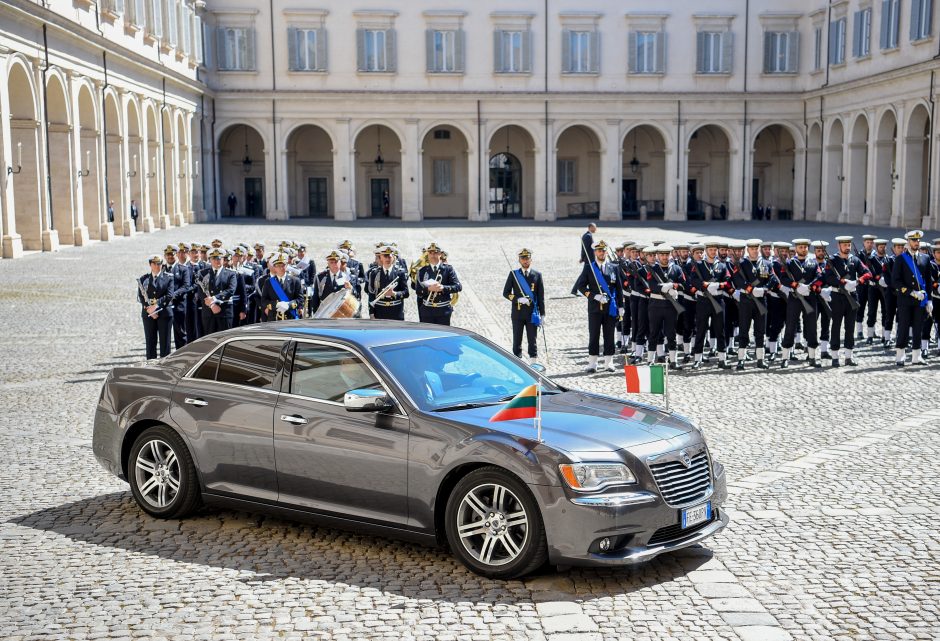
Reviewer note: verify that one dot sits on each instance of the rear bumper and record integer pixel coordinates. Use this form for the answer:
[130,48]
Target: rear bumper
[638,524]
[106,442]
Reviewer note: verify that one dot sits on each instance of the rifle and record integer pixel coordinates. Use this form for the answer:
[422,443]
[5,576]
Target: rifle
[761,308]
[853,303]
[806,306]
[534,303]
[675,303]
[716,306]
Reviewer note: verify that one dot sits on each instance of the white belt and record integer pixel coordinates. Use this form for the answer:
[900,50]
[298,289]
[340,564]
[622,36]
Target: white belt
[657,296]
[686,296]
[639,295]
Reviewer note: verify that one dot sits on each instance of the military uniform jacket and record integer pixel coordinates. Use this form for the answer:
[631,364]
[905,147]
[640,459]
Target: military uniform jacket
[878,266]
[324,285]
[160,291]
[269,299]
[221,287]
[377,280]
[838,270]
[701,273]
[587,242]
[805,272]
[750,274]
[446,275]
[358,270]
[625,268]
[660,276]
[642,279]
[182,284]
[934,288]
[904,281]
[587,285]
[512,292]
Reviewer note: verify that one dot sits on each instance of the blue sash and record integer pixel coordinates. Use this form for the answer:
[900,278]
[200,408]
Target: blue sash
[276,286]
[536,318]
[612,308]
[917,276]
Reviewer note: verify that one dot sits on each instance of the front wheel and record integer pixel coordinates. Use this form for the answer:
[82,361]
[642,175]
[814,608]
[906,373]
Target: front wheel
[494,526]
[162,475]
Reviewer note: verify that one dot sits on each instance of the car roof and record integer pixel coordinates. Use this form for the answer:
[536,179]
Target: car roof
[362,332]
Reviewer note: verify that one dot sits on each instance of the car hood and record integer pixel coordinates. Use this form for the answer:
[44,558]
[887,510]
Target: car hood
[582,422]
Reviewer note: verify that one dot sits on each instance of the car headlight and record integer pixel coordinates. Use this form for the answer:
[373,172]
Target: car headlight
[586,477]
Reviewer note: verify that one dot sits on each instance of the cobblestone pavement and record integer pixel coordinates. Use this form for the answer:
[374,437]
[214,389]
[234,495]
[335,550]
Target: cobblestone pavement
[833,493]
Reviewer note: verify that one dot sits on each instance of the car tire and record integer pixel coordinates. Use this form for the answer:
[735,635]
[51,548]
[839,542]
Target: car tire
[494,525]
[162,475]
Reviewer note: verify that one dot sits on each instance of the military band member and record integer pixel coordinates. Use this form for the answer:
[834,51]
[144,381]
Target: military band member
[216,294]
[912,276]
[282,295]
[842,274]
[668,282]
[182,258]
[525,291]
[599,283]
[710,283]
[803,276]
[387,287]
[330,280]
[753,278]
[182,287]
[197,265]
[156,307]
[434,285]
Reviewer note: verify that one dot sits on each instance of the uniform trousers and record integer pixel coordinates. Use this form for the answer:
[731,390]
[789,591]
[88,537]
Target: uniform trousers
[639,319]
[776,316]
[597,322]
[843,322]
[747,314]
[707,319]
[863,293]
[519,325]
[731,319]
[212,323]
[180,318]
[910,322]
[891,310]
[155,330]
[663,320]
[876,299]
[434,315]
[795,313]
[389,312]
[686,321]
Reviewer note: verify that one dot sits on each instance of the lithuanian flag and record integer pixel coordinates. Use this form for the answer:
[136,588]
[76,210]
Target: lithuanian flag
[645,379]
[523,405]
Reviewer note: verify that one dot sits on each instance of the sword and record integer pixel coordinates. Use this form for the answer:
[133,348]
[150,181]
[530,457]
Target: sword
[143,294]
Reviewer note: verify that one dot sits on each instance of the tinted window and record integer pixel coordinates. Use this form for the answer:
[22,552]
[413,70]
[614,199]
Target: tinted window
[209,366]
[249,363]
[327,373]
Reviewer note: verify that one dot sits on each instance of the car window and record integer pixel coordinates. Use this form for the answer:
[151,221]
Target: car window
[250,363]
[209,366]
[327,373]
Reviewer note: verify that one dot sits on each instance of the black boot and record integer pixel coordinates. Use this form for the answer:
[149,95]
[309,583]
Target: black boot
[740,366]
[785,363]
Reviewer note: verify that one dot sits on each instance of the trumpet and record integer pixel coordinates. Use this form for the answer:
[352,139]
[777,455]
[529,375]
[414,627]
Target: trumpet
[380,295]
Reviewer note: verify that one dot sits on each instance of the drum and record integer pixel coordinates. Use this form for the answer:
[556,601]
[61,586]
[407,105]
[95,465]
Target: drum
[341,304]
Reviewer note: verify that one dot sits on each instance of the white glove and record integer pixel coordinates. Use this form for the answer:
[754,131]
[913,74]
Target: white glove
[736,295]
[851,285]
[665,287]
[712,289]
[802,289]
[758,292]
[785,290]
[601,298]
[929,307]
[919,295]
[523,300]
[282,306]
[882,282]
[826,294]
[673,293]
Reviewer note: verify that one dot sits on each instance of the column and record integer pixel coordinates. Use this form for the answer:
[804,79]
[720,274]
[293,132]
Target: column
[868,215]
[80,234]
[12,242]
[676,178]
[50,237]
[740,171]
[105,228]
[410,172]
[611,173]
[545,155]
[275,175]
[799,184]
[479,211]
[473,177]
[897,196]
[344,173]
[165,177]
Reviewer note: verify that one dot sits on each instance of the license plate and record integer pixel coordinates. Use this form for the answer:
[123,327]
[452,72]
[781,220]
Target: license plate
[695,515]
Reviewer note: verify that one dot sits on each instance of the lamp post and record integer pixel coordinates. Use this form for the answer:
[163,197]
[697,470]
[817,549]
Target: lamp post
[634,163]
[133,173]
[246,161]
[84,172]
[379,161]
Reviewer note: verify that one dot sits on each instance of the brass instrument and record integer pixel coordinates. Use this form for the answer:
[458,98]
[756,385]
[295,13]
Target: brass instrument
[416,266]
[381,295]
[432,297]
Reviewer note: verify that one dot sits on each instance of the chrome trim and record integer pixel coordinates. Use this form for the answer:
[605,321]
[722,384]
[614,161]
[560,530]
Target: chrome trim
[638,555]
[615,500]
[296,420]
[198,402]
[235,385]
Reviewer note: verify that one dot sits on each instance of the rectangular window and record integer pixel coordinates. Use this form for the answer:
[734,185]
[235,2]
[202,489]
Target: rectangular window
[580,51]
[921,19]
[781,51]
[307,49]
[861,34]
[837,42]
[713,52]
[442,176]
[154,18]
[236,49]
[137,13]
[512,51]
[249,363]
[817,49]
[566,177]
[187,23]
[442,51]
[648,51]
[375,50]
[890,23]
[172,28]
[200,37]
[327,373]
[115,7]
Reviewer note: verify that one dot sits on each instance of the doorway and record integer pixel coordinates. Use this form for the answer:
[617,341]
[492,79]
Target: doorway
[254,197]
[628,194]
[316,197]
[755,199]
[505,186]
[380,197]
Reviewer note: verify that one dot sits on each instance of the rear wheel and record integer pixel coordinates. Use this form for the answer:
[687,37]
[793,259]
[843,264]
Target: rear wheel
[494,526]
[162,475]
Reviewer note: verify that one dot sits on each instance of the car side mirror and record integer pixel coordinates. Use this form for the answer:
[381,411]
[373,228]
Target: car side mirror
[366,400]
[538,367]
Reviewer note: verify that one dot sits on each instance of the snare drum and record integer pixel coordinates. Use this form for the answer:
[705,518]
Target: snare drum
[341,304]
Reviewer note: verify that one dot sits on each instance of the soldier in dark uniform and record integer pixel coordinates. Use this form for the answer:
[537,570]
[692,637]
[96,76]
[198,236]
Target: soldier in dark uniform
[155,295]
[188,300]
[601,286]
[283,294]
[640,290]
[733,255]
[777,300]
[435,283]
[932,322]
[912,278]
[197,265]
[217,292]
[356,268]
[824,298]
[891,298]
[587,243]
[709,279]
[668,282]
[182,287]
[876,290]
[803,277]
[387,287]
[865,289]
[239,300]
[525,290]
[625,273]
[752,279]
[842,274]
[686,321]
[330,280]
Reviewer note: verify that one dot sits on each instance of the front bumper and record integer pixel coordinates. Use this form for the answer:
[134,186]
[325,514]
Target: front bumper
[639,524]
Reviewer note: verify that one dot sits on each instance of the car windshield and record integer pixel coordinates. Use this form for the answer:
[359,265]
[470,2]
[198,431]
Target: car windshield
[455,371]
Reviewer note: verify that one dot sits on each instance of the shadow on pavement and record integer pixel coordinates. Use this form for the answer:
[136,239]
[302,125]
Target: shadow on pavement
[270,549]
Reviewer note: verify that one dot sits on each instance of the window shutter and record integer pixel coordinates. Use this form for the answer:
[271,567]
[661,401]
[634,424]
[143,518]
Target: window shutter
[793,52]
[928,17]
[566,65]
[769,52]
[360,49]
[460,41]
[391,51]
[727,51]
[293,50]
[857,35]
[632,53]
[915,19]
[700,52]
[833,42]
[527,51]
[497,50]
[250,46]
[429,50]
[661,52]
[323,62]
[220,42]
[595,51]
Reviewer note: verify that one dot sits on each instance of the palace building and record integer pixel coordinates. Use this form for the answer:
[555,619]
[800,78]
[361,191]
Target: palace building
[606,109]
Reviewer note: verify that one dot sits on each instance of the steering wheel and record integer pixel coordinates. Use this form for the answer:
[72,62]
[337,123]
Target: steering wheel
[469,378]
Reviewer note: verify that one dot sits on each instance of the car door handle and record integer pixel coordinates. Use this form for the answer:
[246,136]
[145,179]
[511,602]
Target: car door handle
[198,402]
[293,418]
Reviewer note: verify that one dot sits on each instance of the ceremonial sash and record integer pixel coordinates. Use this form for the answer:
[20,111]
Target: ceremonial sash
[536,318]
[276,286]
[602,281]
[917,276]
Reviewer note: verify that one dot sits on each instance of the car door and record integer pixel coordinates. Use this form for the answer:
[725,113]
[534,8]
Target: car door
[226,408]
[332,460]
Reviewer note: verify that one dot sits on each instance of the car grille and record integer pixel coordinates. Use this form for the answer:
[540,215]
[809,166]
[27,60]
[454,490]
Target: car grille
[681,485]
[675,533]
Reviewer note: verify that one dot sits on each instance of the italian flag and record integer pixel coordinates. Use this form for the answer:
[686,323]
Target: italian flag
[637,415]
[523,405]
[648,379]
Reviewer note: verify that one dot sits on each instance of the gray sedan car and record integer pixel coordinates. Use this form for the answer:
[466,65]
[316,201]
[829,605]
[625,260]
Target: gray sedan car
[385,426]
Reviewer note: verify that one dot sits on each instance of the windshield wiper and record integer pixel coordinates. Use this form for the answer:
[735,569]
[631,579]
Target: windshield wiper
[463,406]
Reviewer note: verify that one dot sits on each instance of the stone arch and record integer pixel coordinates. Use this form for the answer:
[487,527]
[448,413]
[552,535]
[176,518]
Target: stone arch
[796,134]
[239,142]
[90,148]
[63,167]
[885,175]
[709,170]
[774,170]
[598,133]
[391,126]
[114,176]
[151,165]
[916,153]
[643,171]
[579,153]
[445,172]
[289,132]
[858,171]
[436,124]
[184,163]
[729,133]
[663,132]
[25,181]
[378,187]
[310,172]
[511,183]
